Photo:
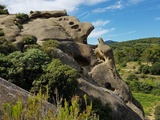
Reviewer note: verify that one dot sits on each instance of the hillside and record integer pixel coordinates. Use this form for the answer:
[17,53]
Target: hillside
[49,48]
[138,63]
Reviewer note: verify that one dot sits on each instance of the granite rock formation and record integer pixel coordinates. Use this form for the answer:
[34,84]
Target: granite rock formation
[99,77]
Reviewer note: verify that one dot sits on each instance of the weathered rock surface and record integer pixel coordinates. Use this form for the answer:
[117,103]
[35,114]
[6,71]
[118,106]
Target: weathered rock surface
[10,93]
[99,77]
[46,25]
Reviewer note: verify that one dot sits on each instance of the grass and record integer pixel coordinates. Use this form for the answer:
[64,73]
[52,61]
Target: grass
[148,101]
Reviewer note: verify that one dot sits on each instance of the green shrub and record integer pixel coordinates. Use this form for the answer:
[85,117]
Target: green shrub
[3,10]
[145,69]
[26,67]
[123,64]
[35,109]
[157,113]
[29,39]
[49,47]
[155,69]
[21,16]
[145,87]
[7,47]
[134,86]
[57,76]
[132,77]
[155,92]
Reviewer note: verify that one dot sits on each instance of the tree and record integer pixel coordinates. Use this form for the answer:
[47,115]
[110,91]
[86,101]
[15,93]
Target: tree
[57,76]
[26,67]
[6,47]
[155,69]
[3,10]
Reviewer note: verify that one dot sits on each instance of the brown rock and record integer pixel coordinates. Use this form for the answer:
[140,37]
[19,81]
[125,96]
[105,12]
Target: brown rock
[47,14]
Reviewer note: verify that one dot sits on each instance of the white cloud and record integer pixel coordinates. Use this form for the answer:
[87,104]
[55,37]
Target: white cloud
[157,18]
[25,6]
[118,5]
[94,2]
[100,23]
[99,32]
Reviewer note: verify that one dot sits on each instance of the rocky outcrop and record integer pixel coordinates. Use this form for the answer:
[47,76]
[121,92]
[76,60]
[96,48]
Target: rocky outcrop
[10,93]
[47,14]
[101,80]
[45,25]
[95,64]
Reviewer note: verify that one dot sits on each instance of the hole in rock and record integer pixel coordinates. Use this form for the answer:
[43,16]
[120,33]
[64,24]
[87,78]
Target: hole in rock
[81,60]
[75,27]
[71,23]
[108,86]
[60,19]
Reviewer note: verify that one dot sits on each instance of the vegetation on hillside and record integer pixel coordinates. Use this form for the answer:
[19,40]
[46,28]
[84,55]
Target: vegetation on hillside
[138,63]
[143,50]
[36,109]
[34,67]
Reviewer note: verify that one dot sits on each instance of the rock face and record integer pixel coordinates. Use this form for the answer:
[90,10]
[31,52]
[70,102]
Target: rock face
[9,93]
[99,77]
[46,25]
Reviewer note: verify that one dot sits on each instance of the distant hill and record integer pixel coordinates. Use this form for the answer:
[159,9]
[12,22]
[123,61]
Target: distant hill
[110,42]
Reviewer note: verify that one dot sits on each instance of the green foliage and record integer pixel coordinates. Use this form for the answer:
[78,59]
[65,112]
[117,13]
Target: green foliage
[29,39]
[6,47]
[148,101]
[155,69]
[157,112]
[140,87]
[145,69]
[132,77]
[21,16]
[3,10]
[5,65]
[49,47]
[60,76]
[35,109]
[147,50]
[26,67]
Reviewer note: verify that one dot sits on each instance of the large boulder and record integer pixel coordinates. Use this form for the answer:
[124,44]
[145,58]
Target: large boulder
[95,64]
[101,80]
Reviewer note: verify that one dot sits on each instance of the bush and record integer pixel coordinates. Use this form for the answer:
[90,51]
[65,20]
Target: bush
[6,47]
[134,86]
[132,77]
[35,109]
[145,87]
[3,10]
[21,16]
[155,92]
[140,87]
[155,69]
[26,67]
[49,47]
[145,69]
[29,39]
[57,76]
[157,113]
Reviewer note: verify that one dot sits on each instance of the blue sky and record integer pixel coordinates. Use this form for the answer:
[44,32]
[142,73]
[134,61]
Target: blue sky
[117,20]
